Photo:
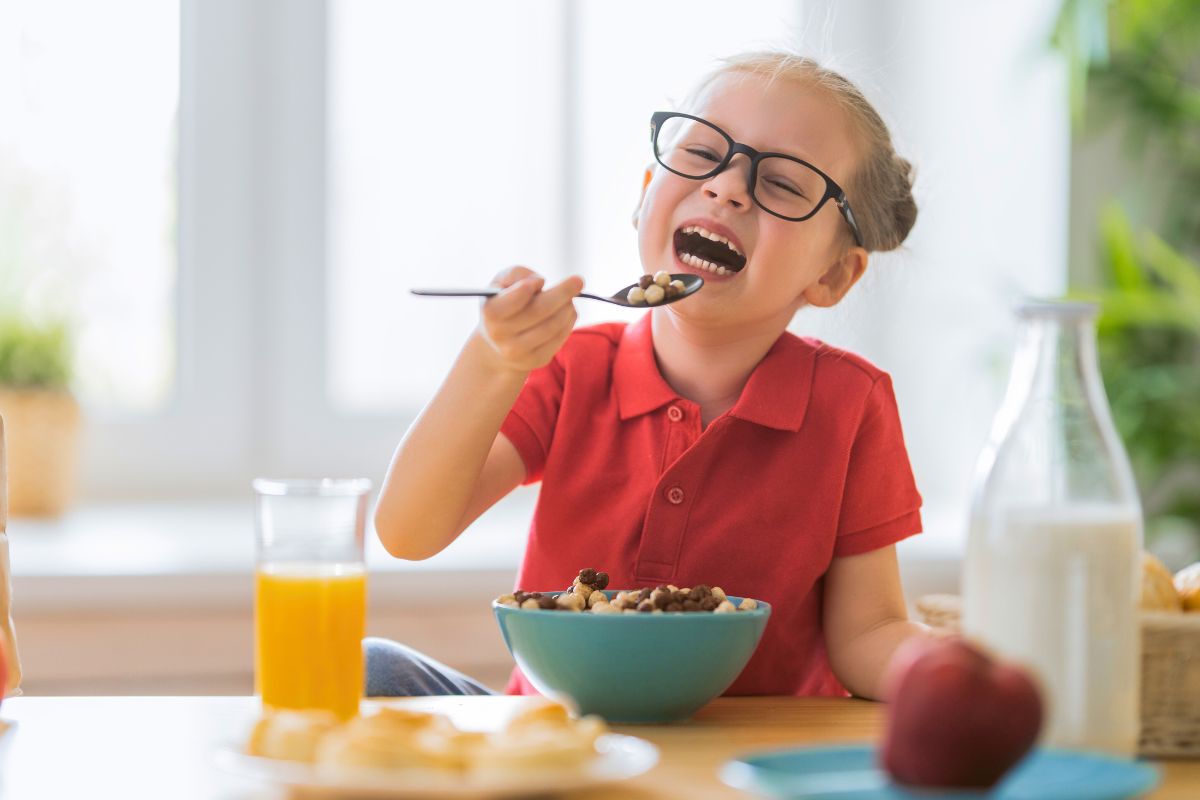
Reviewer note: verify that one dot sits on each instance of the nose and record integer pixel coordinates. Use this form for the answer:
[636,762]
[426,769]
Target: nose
[731,185]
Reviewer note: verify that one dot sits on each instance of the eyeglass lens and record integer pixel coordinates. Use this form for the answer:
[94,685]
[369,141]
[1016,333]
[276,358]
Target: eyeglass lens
[782,186]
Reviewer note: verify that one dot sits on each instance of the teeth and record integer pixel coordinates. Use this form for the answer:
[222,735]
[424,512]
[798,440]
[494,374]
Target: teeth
[700,263]
[715,237]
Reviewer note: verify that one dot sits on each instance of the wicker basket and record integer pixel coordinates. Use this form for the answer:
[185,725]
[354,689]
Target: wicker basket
[1170,675]
[1170,685]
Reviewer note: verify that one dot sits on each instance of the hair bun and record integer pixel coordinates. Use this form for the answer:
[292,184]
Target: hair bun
[904,207]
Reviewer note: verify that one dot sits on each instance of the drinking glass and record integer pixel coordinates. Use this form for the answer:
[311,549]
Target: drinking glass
[310,593]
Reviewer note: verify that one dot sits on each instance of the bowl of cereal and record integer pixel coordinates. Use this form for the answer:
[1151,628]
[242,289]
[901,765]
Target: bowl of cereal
[641,655]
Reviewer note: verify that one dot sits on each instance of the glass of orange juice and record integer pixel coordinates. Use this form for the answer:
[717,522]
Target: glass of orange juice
[310,594]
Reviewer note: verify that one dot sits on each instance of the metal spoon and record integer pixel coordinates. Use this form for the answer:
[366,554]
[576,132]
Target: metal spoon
[691,284]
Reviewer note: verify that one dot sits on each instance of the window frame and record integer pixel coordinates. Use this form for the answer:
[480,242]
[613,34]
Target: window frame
[250,311]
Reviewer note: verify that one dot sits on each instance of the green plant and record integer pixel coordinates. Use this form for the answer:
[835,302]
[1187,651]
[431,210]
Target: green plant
[1136,61]
[1150,355]
[33,355]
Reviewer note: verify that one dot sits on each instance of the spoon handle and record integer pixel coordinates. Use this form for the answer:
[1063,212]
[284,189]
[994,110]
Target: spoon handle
[490,291]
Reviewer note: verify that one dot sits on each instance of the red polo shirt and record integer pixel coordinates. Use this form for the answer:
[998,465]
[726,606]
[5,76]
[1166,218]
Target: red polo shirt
[808,465]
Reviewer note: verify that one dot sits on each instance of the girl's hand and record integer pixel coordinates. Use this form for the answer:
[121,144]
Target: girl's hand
[525,324]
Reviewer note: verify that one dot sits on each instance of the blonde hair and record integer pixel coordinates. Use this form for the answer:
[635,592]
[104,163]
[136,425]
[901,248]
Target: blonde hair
[880,190]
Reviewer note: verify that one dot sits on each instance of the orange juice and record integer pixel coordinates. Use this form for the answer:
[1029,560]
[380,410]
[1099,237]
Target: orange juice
[309,621]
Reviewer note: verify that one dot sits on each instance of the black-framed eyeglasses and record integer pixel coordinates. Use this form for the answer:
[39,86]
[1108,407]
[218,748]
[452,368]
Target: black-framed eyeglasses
[782,185]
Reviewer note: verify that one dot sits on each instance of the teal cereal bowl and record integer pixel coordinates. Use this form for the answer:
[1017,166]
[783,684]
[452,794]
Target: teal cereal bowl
[632,667]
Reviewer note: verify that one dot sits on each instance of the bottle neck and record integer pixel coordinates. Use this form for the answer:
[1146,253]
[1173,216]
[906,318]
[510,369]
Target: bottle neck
[1055,416]
[1056,360]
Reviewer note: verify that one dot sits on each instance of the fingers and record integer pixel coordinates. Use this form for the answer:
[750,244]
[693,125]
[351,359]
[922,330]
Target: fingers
[526,303]
[549,332]
[550,301]
[514,300]
[511,275]
[527,322]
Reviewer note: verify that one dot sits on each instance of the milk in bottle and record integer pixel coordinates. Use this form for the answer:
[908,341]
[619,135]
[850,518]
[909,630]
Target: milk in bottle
[1052,570]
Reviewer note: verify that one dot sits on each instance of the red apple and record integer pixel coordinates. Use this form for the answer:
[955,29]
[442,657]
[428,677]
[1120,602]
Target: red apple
[956,717]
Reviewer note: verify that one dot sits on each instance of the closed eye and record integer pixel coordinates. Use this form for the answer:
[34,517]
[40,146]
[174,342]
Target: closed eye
[785,186]
[703,152]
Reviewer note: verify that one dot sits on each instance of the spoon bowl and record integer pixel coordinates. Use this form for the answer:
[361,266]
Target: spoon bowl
[691,284]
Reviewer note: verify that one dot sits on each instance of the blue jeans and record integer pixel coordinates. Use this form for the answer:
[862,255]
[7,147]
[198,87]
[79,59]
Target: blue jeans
[394,670]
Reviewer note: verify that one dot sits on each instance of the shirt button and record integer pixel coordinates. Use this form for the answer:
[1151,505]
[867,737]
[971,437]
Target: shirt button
[675,495]
[674,413]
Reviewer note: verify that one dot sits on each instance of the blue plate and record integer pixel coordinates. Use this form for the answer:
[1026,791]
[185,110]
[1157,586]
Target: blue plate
[852,773]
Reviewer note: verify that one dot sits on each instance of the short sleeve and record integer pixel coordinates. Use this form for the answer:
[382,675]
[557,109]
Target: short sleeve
[880,502]
[530,423]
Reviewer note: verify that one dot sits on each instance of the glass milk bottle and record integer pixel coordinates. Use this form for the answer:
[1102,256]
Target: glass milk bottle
[1053,564]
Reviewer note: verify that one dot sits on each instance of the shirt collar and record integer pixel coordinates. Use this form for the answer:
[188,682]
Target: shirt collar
[776,396]
[639,385]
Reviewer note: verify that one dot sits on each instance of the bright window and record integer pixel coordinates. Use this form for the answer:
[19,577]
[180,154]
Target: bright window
[477,135]
[89,95]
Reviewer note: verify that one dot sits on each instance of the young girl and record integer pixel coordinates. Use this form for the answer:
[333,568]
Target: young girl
[721,448]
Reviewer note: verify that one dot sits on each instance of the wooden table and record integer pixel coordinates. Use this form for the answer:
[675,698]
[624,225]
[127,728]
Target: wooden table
[162,747]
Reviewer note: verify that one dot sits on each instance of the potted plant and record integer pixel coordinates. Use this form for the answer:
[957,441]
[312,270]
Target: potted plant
[41,415]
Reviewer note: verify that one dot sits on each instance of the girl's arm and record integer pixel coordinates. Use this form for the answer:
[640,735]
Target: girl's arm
[453,464]
[865,618]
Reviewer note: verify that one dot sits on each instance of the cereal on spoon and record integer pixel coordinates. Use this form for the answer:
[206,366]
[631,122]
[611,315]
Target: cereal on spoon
[654,289]
[586,593]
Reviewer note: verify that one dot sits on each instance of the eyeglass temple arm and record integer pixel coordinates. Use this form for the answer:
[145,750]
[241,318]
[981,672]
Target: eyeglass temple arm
[844,206]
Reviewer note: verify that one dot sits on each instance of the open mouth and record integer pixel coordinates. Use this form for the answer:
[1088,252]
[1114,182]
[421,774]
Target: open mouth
[701,248]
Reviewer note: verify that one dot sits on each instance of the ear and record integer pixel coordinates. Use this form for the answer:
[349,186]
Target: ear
[637,210]
[831,287]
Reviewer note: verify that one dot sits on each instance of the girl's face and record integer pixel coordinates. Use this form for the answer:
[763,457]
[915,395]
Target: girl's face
[785,261]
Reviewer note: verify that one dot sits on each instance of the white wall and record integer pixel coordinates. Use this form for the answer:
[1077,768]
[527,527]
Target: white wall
[976,100]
